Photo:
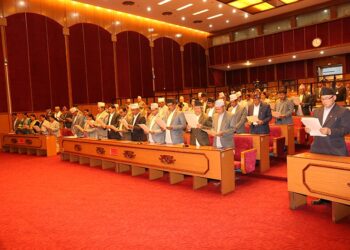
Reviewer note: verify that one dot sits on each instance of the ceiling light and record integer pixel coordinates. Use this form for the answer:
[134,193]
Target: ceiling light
[210,26]
[220,5]
[289,1]
[227,21]
[204,1]
[228,66]
[117,22]
[246,15]
[178,35]
[234,11]
[321,52]
[212,17]
[241,4]
[325,11]
[248,63]
[149,9]
[150,30]
[75,14]
[164,2]
[183,18]
[263,6]
[270,60]
[200,12]
[21,3]
[184,7]
[294,56]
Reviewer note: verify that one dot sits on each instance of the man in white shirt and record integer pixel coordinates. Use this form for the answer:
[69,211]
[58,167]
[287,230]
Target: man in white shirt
[210,107]
[163,109]
[175,124]
[156,133]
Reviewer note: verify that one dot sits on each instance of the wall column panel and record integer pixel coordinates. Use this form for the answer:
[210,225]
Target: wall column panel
[69,77]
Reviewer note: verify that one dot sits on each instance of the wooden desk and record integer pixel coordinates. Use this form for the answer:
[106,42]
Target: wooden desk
[261,143]
[322,176]
[288,133]
[28,144]
[203,164]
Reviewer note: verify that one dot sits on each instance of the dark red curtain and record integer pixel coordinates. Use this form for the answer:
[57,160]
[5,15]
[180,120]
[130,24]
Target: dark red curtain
[195,66]
[3,96]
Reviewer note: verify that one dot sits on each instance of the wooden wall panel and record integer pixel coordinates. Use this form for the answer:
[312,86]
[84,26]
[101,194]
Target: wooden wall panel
[3,96]
[19,74]
[299,39]
[346,30]
[123,65]
[335,32]
[259,47]
[288,41]
[278,42]
[195,72]
[146,65]
[135,64]
[250,49]
[268,45]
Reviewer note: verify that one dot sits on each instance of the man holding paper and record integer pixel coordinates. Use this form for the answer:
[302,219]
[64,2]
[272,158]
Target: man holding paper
[335,122]
[101,120]
[223,126]
[137,133]
[175,124]
[196,123]
[155,133]
[77,120]
[113,123]
[284,108]
[259,116]
[239,114]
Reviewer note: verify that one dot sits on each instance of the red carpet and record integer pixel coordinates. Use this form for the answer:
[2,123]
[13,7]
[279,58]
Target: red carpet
[49,204]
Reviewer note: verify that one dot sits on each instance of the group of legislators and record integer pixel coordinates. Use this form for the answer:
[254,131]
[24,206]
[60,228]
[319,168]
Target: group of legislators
[165,121]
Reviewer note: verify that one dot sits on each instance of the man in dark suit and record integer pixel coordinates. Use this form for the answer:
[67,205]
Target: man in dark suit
[340,92]
[262,111]
[335,121]
[239,114]
[113,120]
[198,136]
[304,107]
[137,133]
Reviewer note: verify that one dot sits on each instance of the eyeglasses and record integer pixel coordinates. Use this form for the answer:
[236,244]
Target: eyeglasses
[326,98]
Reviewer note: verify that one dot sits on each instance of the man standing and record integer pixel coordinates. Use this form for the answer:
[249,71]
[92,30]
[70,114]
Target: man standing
[210,107]
[340,92]
[223,126]
[304,107]
[113,120]
[163,109]
[156,133]
[284,108]
[175,124]
[137,133]
[239,114]
[262,112]
[77,120]
[198,136]
[101,120]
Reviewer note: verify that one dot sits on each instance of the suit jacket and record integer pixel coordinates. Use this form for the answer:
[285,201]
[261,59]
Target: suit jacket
[137,133]
[338,120]
[159,135]
[197,133]
[227,127]
[286,108]
[240,118]
[111,134]
[305,105]
[78,120]
[101,132]
[264,115]
[178,122]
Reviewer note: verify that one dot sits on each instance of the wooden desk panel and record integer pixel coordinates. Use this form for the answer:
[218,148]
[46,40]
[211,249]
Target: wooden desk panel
[202,163]
[29,144]
[322,176]
[288,133]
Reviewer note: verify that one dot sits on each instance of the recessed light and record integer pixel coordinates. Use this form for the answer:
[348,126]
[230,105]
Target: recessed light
[178,35]
[321,52]
[75,14]
[184,7]
[228,66]
[200,12]
[234,11]
[164,2]
[294,56]
[246,15]
[117,22]
[204,1]
[220,5]
[270,60]
[325,11]
[150,30]
[149,9]
[248,63]
[215,16]
[21,3]
[227,21]
[183,18]
[210,26]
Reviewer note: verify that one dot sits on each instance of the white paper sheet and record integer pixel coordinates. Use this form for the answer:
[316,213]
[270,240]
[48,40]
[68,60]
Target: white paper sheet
[252,119]
[191,120]
[313,124]
[161,123]
[124,122]
[296,100]
[276,114]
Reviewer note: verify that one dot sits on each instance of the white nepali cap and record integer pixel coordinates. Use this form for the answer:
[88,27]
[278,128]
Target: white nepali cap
[219,103]
[73,110]
[134,106]
[101,104]
[238,94]
[161,99]
[199,94]
[233,97]
[221,94]
[154,106]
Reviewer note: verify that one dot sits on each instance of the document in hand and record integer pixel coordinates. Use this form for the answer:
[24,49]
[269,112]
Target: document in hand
[252,119]
[191,120]
[276,114]
[296,100]
[124,122]
[313,124]
[161,123]
[144,127]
